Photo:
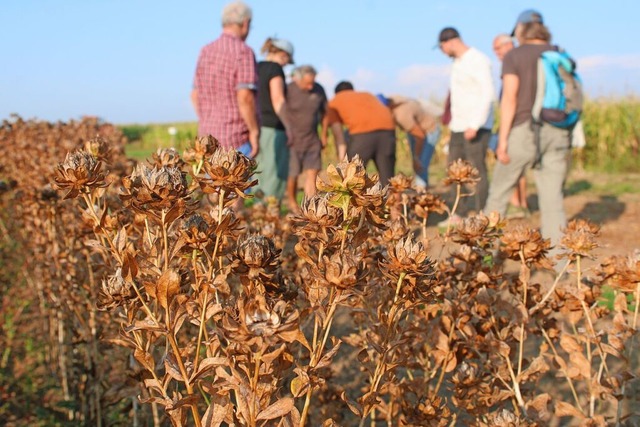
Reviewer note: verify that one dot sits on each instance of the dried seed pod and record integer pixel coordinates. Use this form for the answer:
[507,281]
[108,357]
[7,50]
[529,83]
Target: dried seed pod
[79,173]
[115,291]
[229,171]
[462,172]
[202,147]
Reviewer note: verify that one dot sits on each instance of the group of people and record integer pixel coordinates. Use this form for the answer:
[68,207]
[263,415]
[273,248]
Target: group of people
[251,108]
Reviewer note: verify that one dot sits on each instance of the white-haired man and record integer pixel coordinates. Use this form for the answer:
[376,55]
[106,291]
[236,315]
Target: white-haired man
[225,84]
[304,110]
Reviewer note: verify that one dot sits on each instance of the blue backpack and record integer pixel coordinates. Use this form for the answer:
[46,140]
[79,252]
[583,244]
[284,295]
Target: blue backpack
[559,95]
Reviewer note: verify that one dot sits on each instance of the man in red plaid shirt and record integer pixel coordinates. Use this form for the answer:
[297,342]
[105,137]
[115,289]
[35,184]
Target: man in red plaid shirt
[225,84]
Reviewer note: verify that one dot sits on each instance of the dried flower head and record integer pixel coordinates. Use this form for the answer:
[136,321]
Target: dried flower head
[258,320]
[168,157]
[527,241]
[202,147]
[154,189]
[79,173]
[400,183]
[348,176]
[407,257]
[341,270]
[478,230]
[317,219]
[426,202]
[506,418]
[115,291]
[227,170]
[579,238]
[622,273]
[462,172]
[99,147]
[195,233]
[258,264]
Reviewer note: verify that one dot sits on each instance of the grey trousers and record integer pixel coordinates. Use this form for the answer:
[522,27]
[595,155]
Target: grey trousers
[549,177]
[474,152]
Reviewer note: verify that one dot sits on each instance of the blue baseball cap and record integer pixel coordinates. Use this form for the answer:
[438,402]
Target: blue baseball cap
[527,16]
[383,99]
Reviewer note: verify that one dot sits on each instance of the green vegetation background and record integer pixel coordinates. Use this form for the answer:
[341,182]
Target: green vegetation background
[612,130]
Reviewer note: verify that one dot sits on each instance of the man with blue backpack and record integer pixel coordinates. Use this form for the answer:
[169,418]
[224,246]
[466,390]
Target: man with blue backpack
[540,104]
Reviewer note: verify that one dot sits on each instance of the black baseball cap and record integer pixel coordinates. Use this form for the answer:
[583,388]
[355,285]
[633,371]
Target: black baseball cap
[447,34]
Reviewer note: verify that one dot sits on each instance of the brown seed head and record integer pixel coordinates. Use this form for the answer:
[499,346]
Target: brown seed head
[115,291]
[426,202]
[229,171]
[80,172]
[579,239]
[99,147]
[400,183]
[462,172]
[342,270]
[168,157]
[622,273]
[478,230]
[195,232]
[534,248]
[317,218]
[202,147]
[153,189]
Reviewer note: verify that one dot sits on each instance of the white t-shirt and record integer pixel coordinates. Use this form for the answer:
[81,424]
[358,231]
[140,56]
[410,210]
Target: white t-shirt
[472,93]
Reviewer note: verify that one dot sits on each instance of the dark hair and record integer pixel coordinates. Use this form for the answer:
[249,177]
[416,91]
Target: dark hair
[535,31]
[343,85]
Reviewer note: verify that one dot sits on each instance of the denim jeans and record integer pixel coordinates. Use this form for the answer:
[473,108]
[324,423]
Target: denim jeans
[428,149]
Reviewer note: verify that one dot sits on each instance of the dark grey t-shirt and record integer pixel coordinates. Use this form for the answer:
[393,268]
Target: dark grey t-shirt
[304,110]
[523,62]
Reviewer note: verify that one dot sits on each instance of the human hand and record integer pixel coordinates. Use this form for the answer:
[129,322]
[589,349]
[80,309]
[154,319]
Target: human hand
[254,137]
[470,134]
[501,154]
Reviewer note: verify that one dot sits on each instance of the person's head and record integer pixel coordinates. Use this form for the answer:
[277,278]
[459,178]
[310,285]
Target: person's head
[502,44]
[278,50]
[305,77]
[534,32]
[450,43]
[236,18]
[526,17]
[343,85]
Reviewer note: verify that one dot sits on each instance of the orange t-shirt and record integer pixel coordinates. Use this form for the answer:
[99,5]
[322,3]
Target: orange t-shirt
[360,112]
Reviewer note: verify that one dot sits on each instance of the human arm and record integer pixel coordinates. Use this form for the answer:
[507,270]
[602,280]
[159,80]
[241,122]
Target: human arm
[510,85]
[247,106]
[338,136]
[194,102]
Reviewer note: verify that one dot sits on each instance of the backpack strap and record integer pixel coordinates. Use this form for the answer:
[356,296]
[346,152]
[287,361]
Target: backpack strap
[536,122]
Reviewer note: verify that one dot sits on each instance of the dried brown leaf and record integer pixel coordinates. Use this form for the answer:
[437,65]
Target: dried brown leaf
[564,409]
[144,358]
[168,286]
[277,409]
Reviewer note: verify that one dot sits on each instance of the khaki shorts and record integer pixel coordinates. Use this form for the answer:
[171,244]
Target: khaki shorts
[300,161]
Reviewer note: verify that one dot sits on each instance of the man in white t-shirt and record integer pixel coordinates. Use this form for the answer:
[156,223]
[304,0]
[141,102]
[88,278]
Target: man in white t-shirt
[472,97]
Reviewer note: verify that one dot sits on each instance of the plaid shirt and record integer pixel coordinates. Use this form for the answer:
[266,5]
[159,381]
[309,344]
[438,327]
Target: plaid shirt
[224,66]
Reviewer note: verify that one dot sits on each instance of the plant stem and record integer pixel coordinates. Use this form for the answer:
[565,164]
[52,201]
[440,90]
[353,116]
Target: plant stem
[453,210]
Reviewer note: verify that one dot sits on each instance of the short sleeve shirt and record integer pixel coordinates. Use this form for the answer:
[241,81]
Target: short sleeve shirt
[224,66]
[523,62]
[360,112]
[267,70]
[304,110]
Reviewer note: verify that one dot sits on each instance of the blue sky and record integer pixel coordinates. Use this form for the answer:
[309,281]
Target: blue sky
[132,61]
